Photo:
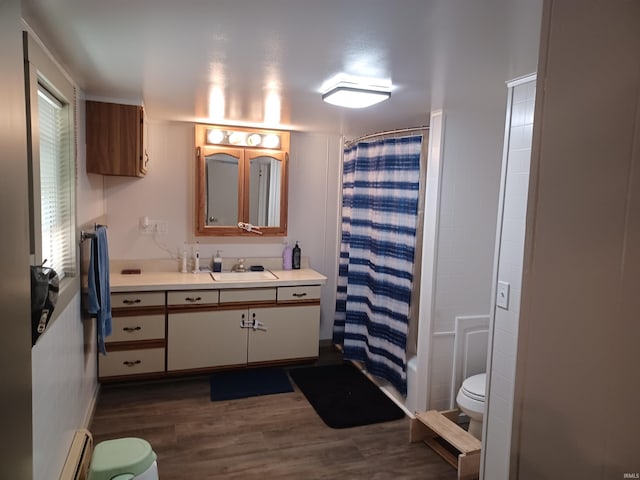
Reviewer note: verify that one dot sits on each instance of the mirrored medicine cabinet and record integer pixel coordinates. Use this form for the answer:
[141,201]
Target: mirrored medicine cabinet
[241,178]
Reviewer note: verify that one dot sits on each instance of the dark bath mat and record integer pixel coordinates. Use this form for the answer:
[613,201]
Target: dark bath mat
[343,396]
[252,382]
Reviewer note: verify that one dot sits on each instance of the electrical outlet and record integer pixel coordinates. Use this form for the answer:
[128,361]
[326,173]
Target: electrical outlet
[155,227]
[161,227]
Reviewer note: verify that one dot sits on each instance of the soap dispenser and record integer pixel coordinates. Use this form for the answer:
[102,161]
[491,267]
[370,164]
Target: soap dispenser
[287,256]
[217,262]
[296,257]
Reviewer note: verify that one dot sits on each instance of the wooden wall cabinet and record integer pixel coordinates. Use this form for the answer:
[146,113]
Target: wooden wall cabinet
[116,139]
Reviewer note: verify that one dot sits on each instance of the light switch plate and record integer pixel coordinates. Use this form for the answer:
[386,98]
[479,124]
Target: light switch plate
[502,295]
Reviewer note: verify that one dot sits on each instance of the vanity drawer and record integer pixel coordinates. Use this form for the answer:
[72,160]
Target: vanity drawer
[244,295]
[139,327]
[192,297]
[304,292]
[137,299]
[131,362]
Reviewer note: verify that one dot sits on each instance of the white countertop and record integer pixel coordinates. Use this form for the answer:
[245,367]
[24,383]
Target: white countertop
[151,281]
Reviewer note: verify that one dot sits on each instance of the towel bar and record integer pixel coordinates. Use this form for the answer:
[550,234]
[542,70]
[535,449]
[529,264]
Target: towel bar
[85,235]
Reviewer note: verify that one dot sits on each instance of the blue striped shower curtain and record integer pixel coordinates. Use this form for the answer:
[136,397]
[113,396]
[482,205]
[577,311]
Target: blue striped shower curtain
[381,181]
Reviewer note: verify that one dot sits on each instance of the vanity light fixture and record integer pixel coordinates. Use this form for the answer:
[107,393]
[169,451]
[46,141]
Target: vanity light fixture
[271,141]
[351,95]
[237,138]
[254,140]
[241,138]
[215,136]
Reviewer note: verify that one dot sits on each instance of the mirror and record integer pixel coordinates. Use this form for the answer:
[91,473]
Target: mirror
[264,195]
[241,184]
[222,173]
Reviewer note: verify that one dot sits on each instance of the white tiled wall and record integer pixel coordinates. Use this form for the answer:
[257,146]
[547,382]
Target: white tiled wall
[504,323]
[466,238]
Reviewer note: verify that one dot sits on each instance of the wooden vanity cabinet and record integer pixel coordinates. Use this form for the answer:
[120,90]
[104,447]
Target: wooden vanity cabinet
[205,330]
[247,327]
[116,139]
[136,346]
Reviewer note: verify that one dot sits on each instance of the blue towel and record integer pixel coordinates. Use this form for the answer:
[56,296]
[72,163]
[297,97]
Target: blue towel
[99,290]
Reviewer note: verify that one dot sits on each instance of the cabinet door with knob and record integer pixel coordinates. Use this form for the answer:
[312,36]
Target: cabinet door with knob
[116,137]
[205,339]
[283,333]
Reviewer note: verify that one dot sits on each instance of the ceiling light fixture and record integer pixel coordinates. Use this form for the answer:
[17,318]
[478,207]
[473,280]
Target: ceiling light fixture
[352,95]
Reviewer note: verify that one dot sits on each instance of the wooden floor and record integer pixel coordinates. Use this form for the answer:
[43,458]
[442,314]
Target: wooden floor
[268,437]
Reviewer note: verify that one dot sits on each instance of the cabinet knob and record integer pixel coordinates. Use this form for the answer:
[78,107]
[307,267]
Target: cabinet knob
[127,301]
[193,299]
[132,329]
[130,363]
[300,295]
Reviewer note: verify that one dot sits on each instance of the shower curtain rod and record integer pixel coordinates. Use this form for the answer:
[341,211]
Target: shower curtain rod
[388,132]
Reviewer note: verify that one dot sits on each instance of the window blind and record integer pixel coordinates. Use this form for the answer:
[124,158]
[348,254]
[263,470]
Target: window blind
[55,183]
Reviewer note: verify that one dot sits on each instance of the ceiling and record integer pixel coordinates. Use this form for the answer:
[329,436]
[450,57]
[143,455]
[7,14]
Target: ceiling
[250,62]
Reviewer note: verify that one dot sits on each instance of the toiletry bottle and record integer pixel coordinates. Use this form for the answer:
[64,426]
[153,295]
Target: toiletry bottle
[217,262]
[196,259]
[296,257]
[287,256]
[184,258]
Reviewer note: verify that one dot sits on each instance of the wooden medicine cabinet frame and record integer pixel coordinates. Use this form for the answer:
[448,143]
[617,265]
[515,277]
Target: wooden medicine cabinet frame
[244,152]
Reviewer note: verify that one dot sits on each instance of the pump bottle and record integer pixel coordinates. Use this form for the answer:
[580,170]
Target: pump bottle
[296,257]
[287,256]
[217,262]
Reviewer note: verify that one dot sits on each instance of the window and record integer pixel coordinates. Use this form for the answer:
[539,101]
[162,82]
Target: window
[55,184]
[51,117]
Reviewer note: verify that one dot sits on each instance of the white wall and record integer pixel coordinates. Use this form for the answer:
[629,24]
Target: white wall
[64,388]
[167,193]
[510,251]
[472,59]
[314,206]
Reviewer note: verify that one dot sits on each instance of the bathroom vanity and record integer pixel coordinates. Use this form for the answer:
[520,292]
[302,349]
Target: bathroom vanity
[167,323]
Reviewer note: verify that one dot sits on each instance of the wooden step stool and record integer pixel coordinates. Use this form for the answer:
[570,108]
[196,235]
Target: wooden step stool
[457,446]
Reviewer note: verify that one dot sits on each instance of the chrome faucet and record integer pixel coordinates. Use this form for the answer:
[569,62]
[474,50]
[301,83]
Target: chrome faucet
[238,267]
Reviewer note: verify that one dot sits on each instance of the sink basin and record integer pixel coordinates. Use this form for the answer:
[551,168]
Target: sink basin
[243,276]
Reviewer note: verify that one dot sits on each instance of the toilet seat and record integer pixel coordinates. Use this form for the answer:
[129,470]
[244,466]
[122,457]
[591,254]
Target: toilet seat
[471,400]
[474,387]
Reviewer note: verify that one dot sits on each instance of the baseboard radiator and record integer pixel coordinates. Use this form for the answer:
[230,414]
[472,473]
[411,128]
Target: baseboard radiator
[76,467]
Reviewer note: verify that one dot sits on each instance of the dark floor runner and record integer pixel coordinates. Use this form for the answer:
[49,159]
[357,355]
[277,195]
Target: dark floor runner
[232,384]
[343,396]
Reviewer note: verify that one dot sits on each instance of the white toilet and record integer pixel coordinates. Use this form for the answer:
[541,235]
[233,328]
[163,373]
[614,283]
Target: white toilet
[470,399]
